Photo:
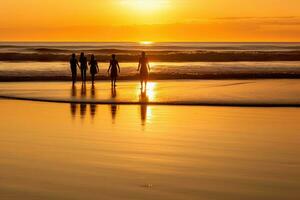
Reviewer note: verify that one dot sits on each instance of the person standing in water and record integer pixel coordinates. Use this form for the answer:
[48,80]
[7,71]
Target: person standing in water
[114,68]
[144,68]
[73,66]
[83,67]
[94,68]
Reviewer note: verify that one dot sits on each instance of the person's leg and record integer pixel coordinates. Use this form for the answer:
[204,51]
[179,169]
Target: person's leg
[73,78]
[82,79]
[93,79]
[84,75]
[115,80]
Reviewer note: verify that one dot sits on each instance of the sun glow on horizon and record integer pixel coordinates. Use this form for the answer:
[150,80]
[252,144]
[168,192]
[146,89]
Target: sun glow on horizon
[146,42]
[150,20]
[145,5]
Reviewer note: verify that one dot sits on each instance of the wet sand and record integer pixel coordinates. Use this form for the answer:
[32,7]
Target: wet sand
[88,151]
[274,92]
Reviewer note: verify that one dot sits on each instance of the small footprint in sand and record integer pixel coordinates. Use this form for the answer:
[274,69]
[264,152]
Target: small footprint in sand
[149,186]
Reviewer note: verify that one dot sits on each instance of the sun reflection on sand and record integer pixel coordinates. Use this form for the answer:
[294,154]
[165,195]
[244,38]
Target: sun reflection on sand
[151,91]
[147,96]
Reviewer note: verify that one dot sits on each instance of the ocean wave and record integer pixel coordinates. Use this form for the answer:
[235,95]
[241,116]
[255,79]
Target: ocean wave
[163,56]
[60,71]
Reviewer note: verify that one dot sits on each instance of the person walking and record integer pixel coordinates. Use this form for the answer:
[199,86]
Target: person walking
[144,68]
[73,66]
[94,68]
[113,69]
[83,67]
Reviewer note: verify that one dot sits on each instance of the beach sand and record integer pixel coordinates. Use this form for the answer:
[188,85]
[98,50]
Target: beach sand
[87,151]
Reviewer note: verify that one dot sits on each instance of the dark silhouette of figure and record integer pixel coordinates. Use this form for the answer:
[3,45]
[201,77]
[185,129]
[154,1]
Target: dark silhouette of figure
[83,67]
[144,68]
[114,107]
[144,107]
[94,68]
[114,68]
[83,106]
[73,106]
[93,106]
[73,66]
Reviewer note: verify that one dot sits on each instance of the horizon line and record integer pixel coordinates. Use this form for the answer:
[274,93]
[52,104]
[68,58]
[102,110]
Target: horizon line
[45,41]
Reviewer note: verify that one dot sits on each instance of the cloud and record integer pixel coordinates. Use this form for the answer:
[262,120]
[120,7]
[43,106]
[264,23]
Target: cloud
[255,21]
[255,18]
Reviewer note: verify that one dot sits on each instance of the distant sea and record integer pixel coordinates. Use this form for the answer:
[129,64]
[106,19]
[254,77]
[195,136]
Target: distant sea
[190,60]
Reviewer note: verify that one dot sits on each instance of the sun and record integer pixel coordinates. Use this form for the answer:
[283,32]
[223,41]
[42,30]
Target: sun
[146,43]
[145,5]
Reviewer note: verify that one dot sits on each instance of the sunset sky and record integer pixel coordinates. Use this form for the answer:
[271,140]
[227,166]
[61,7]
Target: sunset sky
[150,20]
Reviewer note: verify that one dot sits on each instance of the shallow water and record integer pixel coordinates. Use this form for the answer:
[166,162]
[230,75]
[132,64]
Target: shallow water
[70,151]
[159,70]
[271,92]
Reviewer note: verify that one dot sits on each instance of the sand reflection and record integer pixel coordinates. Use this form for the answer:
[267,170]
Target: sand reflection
[93,106]
[113,107]
[144,100]
[83,107]
[150,91]
[147,95]
[84,93]
[73,106]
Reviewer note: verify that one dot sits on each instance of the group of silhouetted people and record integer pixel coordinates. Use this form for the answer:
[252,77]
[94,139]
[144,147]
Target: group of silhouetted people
[113,69]
[83,66]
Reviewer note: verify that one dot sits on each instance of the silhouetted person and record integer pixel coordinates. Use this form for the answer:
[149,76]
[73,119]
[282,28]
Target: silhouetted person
[73,66]
[93,106]
[83,106]
[83,67]
[73,105]
[94,68]
[144,68]
[114,68]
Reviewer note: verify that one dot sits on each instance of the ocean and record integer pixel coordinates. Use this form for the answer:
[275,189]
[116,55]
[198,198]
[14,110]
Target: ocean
[49,61]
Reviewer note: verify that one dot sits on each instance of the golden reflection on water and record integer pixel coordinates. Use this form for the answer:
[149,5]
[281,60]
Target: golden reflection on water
[145,96]
[83,106]
[151,91]
[73,106]
[93,106]
[113,107]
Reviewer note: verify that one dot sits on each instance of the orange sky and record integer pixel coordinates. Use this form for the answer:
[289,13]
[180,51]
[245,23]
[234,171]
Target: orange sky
[151,20]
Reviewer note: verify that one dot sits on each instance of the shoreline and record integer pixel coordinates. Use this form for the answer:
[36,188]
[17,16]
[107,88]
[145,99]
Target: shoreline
[158,56]
[205,104]
[157,77]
